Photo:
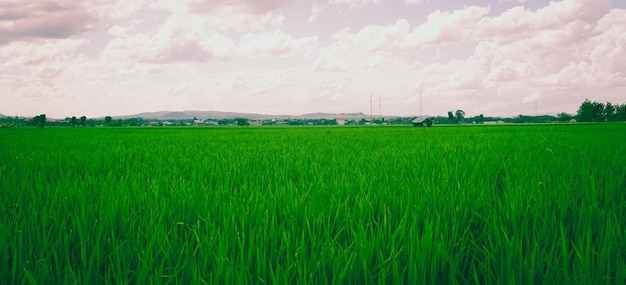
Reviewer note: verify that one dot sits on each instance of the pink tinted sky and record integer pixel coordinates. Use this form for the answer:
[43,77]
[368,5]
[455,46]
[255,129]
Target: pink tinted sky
[500,57]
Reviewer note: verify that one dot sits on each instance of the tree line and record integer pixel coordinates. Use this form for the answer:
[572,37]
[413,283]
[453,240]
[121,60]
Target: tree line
[588,111]
[601,112]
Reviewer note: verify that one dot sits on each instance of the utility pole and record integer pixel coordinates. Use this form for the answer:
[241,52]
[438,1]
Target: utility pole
[420,102]
[371,108]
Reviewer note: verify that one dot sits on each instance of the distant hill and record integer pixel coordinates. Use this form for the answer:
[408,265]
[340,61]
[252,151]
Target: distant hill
[203,115]
[334,116]
[2,116]
[180,115]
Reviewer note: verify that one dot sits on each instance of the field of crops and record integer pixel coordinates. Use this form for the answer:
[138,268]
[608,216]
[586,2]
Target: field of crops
[541,204]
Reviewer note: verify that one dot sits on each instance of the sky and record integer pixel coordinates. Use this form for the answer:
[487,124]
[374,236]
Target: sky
[98,58]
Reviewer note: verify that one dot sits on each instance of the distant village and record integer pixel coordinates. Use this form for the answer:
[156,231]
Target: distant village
[210,122]
[587,112]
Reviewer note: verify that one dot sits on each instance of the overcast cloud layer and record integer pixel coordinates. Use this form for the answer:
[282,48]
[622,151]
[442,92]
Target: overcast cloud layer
[114,57]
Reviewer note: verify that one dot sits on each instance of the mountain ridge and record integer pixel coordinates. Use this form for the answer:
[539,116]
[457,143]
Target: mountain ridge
[203,115]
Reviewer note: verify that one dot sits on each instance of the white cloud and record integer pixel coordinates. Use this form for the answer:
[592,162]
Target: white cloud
[607,48]
[413,2]
[190,38]
[129,57]
[180,38]
[117,9]
[440,28]
[448,27]
[568,45]
[238,15]
[243,6]
[564,20]
[29,19]
[353,3]
[44,60]
[520,22]
[316,9]
[508,1]
[275,44]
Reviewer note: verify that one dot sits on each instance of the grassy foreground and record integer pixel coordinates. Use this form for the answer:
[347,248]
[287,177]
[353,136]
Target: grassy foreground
[318,205]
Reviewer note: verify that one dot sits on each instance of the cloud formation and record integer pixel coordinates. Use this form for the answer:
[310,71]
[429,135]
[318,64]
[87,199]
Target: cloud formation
[240,6]
[31,19]
[113,57]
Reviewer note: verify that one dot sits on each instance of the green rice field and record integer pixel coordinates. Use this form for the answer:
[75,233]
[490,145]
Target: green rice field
[523,204]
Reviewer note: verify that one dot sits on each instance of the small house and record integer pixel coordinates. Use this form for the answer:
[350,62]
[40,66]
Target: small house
[422,122]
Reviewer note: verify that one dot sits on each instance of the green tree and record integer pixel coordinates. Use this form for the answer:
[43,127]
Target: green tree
[83,120]
[460,115]
[585,111]
[450,116]
[73,121]
[480,119]
[39,121]
[107,120]
[133,122]
[610,112]
[242,122]
[620,113]
[590,111]
[564,117]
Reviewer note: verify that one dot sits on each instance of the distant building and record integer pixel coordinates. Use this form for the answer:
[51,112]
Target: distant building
[422,122]
[341,121]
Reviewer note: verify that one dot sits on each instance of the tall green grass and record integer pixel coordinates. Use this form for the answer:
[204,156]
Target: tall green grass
[331,205]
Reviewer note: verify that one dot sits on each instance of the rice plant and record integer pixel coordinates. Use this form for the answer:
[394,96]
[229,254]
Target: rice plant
[314,205]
